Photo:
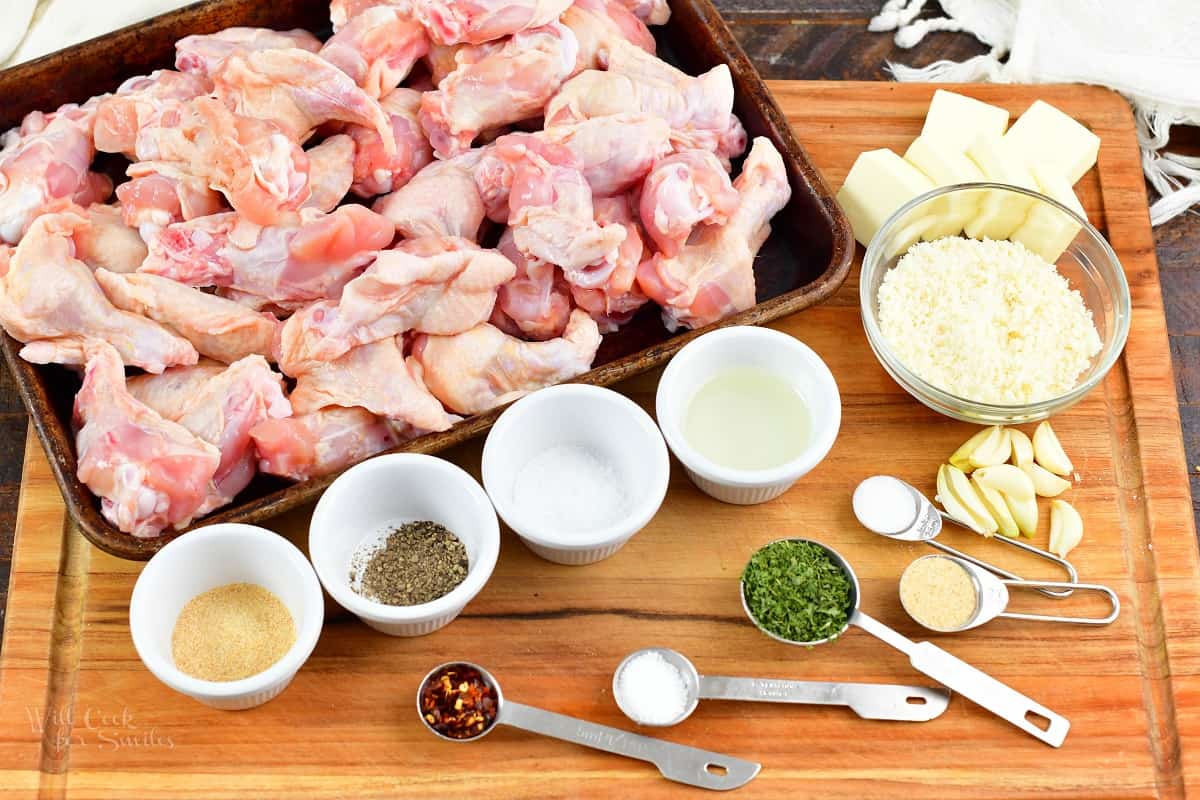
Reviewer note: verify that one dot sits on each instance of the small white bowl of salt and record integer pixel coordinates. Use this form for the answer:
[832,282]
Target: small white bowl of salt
[575,471]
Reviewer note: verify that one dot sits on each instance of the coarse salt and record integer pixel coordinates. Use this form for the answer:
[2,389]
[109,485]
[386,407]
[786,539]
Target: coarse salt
[570,488]
[986,320]
[652,690]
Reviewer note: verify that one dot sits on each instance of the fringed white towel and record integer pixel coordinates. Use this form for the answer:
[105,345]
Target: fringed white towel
[1149,52]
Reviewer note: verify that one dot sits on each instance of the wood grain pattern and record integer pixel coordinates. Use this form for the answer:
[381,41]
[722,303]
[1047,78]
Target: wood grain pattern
[553,634]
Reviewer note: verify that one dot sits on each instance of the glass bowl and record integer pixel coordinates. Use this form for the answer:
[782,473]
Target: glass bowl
[1088,263]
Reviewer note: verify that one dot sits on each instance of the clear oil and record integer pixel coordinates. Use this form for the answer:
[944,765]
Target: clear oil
[748,418]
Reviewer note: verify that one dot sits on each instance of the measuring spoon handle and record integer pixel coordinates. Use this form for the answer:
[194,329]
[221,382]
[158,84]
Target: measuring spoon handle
[868,700]
[677,762]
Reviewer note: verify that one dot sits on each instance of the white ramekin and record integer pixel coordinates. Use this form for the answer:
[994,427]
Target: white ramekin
[205,559]
[387,491]
[743,346]
[600,420]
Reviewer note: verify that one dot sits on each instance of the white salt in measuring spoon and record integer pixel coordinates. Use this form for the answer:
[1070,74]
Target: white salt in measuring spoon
[868,700]
[950,671]
[890,507]
[991,598]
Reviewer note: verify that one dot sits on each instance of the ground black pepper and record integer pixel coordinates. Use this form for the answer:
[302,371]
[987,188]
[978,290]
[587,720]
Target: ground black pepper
[417,562]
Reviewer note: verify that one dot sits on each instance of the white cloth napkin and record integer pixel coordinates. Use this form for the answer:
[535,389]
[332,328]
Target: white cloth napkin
[32,28]
[1147,51]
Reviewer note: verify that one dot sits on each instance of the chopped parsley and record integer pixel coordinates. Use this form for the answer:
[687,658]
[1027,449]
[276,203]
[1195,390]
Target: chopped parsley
[795,590]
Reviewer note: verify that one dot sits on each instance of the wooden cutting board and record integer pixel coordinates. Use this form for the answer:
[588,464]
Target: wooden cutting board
[80,716]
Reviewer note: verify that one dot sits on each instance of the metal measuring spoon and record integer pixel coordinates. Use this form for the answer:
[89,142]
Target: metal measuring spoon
[677,762]
[868,700]
[948,670]
[991,598]
[926,524]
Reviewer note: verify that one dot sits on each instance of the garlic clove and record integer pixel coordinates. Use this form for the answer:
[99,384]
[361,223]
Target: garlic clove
[1049,451]
[994,449]
[1024,513]
[1045,482]
[962,456]
[1008,480]
[967,506]
[994,501]
[1022,448]
[1066,528]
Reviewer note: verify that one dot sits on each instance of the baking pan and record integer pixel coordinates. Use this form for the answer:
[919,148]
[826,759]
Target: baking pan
[803,262]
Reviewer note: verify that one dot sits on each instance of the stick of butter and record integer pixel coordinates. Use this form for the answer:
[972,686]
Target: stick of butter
[946,167]
[1000,212]
[879,183]
[1047,231]
[1045,135]
[955,120]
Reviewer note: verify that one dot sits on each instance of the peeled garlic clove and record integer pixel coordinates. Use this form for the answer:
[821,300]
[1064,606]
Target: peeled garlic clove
[1008,480]
[994,501]
[962,456]
[1045,482]
[1024,513]
[1022,448]
[994,449]
[970,508]
[1066,528]
[1049,451]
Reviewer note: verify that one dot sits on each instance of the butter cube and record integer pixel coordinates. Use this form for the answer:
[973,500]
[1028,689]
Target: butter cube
[955,120]
[1000,213]
[877,185]
[1047,231]
[946,167]
[1045,135]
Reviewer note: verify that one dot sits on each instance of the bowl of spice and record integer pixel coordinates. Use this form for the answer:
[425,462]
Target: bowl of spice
[748,412]
[994,330]
[404,542]
[575,471]
[227,615]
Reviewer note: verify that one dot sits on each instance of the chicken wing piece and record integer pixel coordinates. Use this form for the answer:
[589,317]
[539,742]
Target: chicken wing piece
[651,12]
[713,274]
[375,377]
[262,172]
[158,194]
[377,48]
[330,172]
[297,90]
[536,303]
[508,85]
[50,299]
[321,442]
[137,102]
[598,25]
[342,11]
[684,190]
[44,162]
[442,199]
[613,302]
[220,409]
[377,172]
[216,327]
[202,54]
[434,285]
[106,241]
[482,368]
[309,260]
[149,473]
[613,152]
[479,21]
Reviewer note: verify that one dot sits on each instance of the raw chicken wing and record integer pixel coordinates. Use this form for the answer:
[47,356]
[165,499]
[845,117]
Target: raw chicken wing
[434,285]
[318,443]
[377,48]
[158,193]
[598,25]
[202,54]
[478,21]
[106,241]
[682,191]
[216,327]
[171,391]
[50,300]
[536,303]
[713,275]
[615,152]
[137,102]
[149,473]
[330,172]
[442,199]
[342,11]
[484,367]
[613,302]
[651,12]
[377,172]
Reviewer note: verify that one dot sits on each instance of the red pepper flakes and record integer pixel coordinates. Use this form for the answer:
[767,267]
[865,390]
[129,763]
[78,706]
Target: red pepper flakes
[458,702]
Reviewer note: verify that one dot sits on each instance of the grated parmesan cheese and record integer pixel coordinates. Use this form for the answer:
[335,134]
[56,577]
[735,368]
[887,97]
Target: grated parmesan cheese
[988,321]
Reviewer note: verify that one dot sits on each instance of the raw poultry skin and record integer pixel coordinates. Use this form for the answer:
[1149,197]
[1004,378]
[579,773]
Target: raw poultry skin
[612,296]
[320,442]
[599,25]
[377,48]
[442,199]
[106,241]
[713,274]
[479,21]
[684,190]
[536,303]
[149,473]
[135,104]
[158,194]
[375,170]
[330,172]
[50,300]
[201,54]
[484,367]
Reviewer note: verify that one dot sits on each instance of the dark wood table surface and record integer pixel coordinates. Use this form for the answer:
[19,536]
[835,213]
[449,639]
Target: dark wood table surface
[814,40]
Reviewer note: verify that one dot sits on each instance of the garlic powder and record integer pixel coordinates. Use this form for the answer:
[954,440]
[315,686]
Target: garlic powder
[986,320]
